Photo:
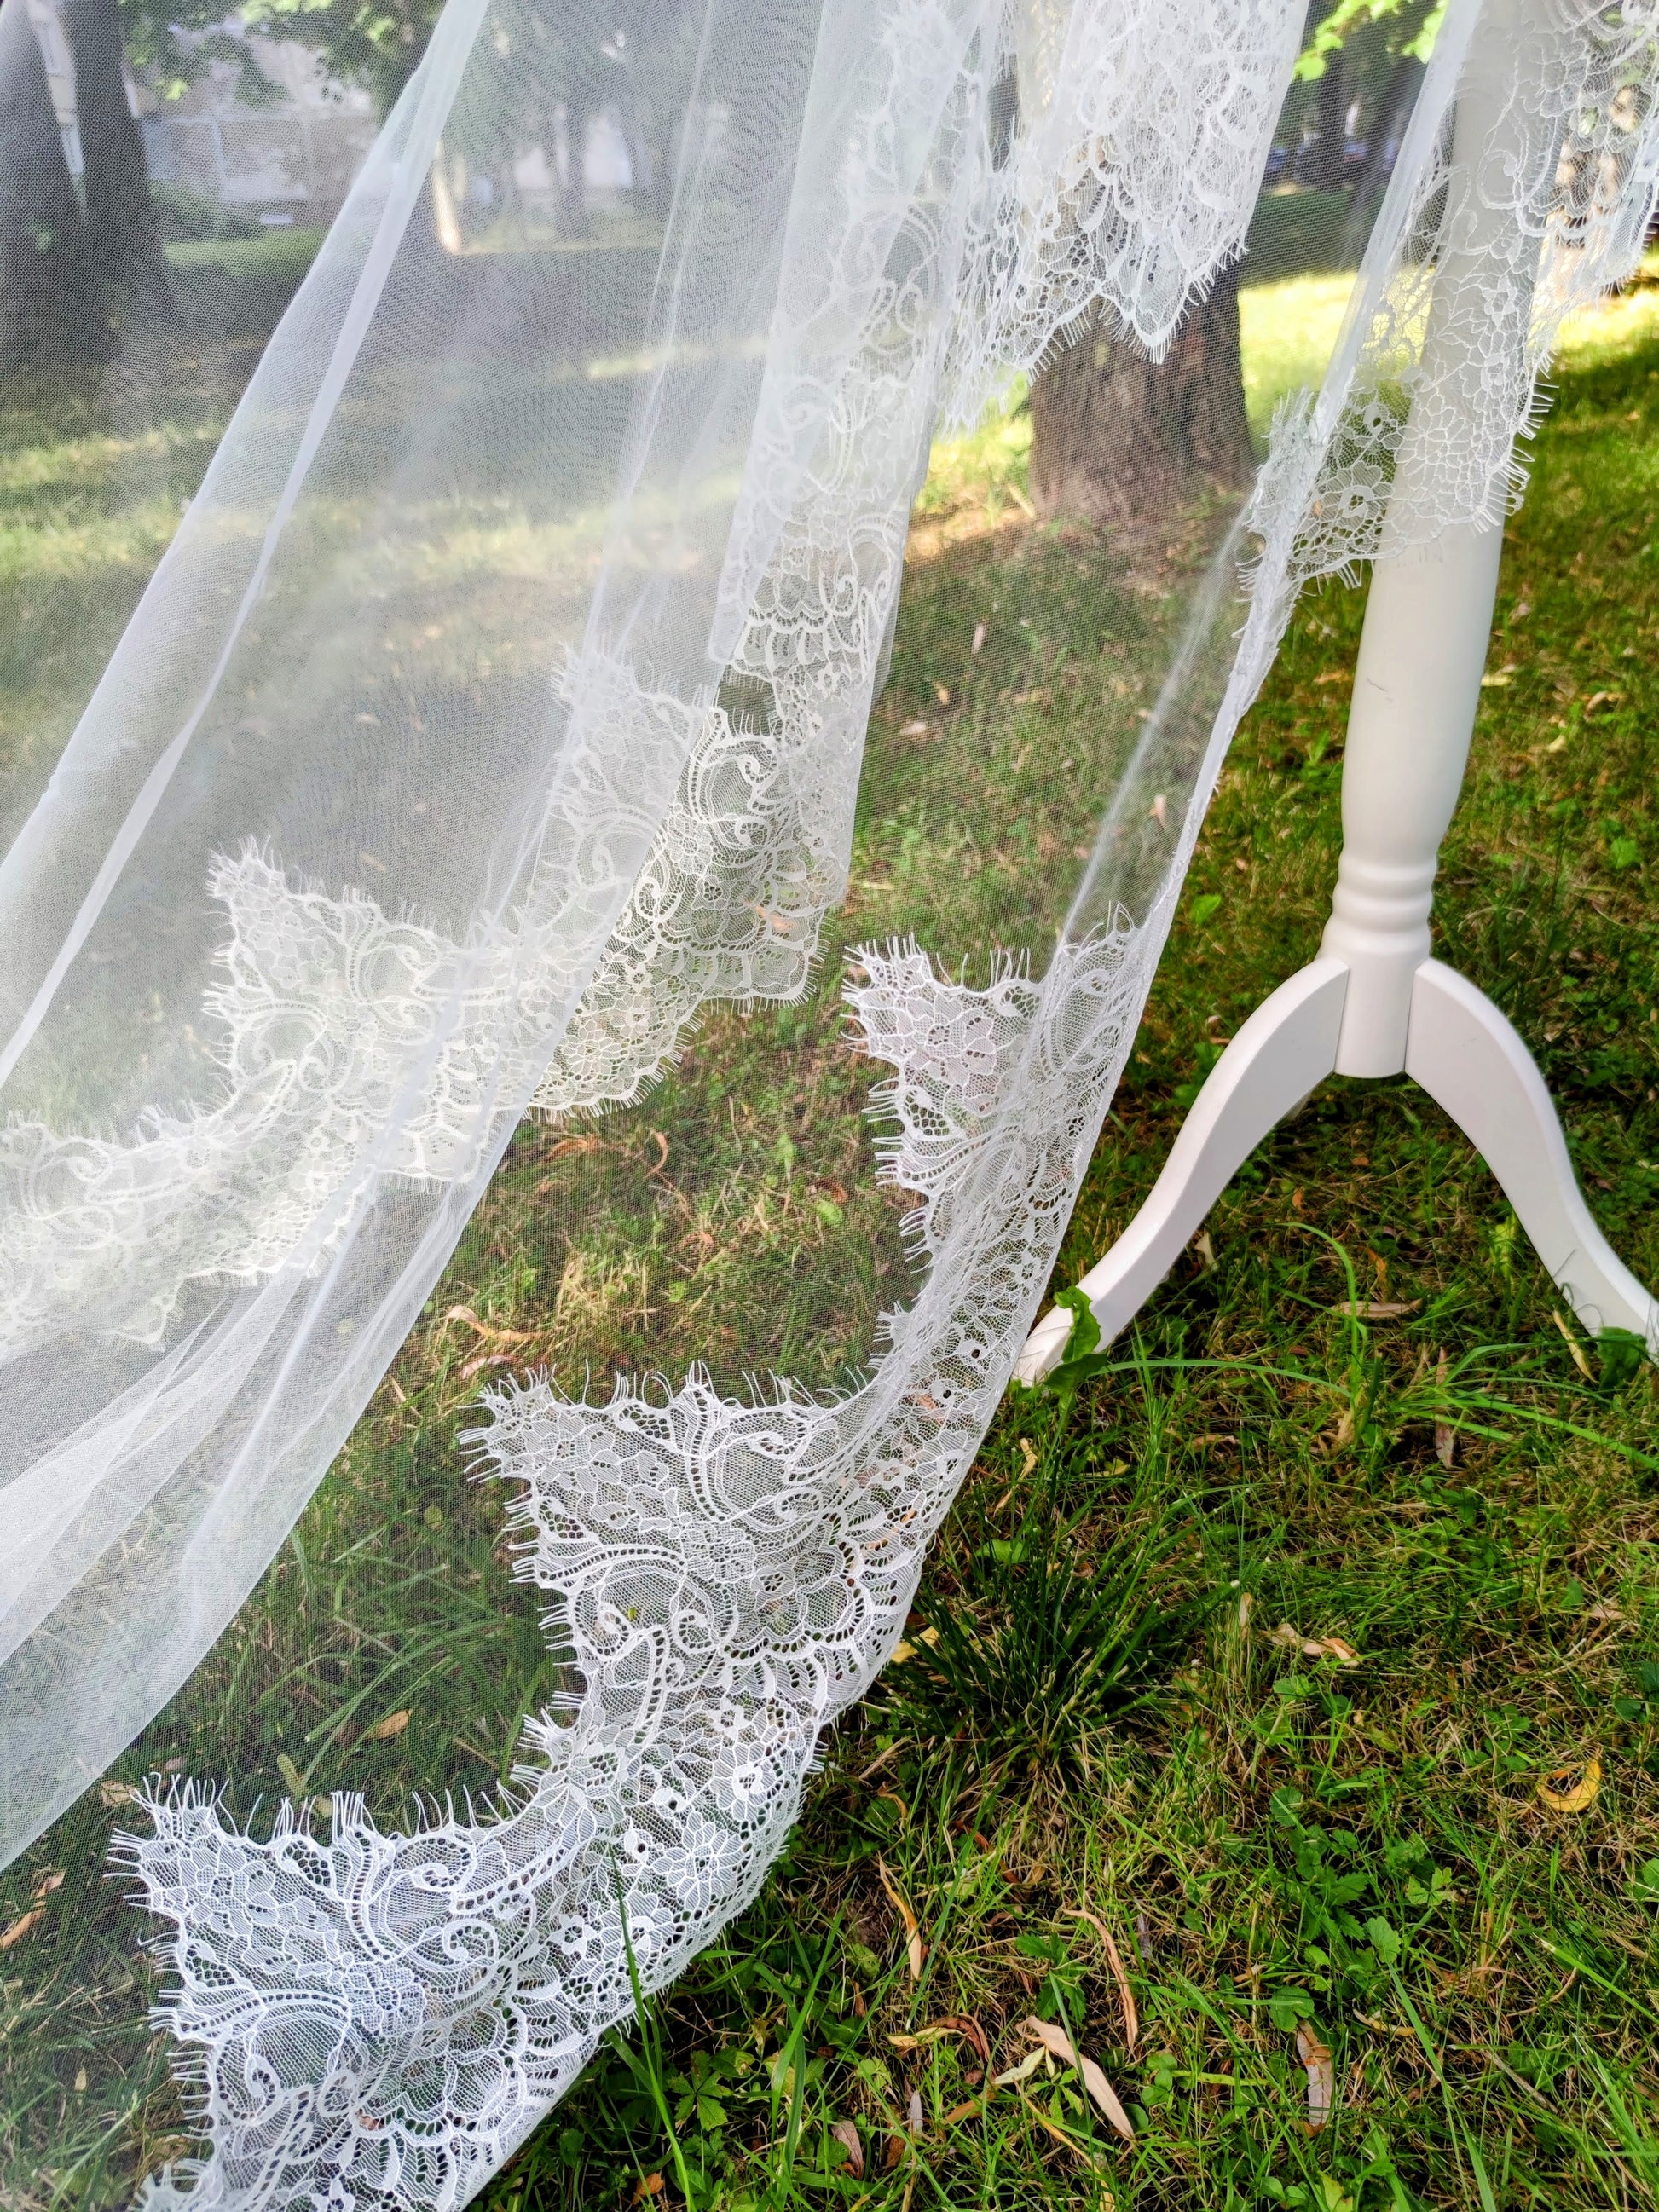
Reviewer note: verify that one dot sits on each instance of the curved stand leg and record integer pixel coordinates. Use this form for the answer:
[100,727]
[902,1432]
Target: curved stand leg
[1285,1050]
[1472,1063]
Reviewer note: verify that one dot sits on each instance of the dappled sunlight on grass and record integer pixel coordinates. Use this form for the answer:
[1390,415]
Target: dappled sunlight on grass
[1288,331]
[1621,326]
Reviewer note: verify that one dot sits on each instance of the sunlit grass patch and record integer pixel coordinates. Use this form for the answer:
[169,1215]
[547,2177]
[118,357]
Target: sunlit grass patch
[1288,331]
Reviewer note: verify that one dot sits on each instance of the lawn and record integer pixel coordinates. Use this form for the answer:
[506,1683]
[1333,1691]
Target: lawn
[1281,1718]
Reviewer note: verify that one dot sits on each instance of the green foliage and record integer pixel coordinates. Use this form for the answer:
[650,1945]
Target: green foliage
[1407,27]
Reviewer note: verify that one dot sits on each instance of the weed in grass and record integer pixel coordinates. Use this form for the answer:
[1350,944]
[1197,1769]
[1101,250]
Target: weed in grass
[1038,1650]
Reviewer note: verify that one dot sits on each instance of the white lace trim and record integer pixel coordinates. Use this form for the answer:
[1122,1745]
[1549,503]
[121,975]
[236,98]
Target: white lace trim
[1145,130]
[727,907]
[1498,254]
[326,1009]
[376,2021]
[352,1048]
[1126,174]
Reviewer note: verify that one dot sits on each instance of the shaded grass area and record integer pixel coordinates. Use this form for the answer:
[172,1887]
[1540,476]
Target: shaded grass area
[1253,1655]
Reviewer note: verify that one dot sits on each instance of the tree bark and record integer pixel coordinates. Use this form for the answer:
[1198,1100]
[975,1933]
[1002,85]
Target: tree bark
[44,318]
[1393,113]
[1117,439]
[123,253]
[1330,147]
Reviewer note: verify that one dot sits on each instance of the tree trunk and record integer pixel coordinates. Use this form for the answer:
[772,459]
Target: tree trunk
[1120,440]
[44,318]
[124,252]
[572,194]
[1331,146]
[1393,113]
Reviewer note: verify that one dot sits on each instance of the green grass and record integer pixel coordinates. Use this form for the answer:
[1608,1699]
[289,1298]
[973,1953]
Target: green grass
[1110,1717]
[281,255]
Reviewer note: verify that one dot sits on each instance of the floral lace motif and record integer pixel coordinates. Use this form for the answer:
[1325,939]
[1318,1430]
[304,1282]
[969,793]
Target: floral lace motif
[727,907]
[1143,134]
[1501,243]
[325,1008]
[1088,153]
[352,1048]
[376,2021]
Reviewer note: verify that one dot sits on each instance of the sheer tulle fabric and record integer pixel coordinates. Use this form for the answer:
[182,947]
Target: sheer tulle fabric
[500,703]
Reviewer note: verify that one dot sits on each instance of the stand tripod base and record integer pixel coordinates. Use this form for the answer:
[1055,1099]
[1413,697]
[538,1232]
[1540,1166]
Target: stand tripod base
[1472,1063]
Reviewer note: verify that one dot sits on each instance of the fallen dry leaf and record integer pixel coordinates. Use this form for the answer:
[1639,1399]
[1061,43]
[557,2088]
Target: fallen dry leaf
[846,2133]
[1377,1308]
[1316,1647]
[913,2112]
[951,2023]
[1575,1348]
[1023,2072]
[913,1942]
[979,639]
[46,1883]
[1055,2040]
[1584,1792]
[892,1798]
[383,1731]
[1126,1994]
[648,2185]
[904,1649]
[488,1329]
[116,1793]
[22,1926]
[1322,2076]
[1600,699]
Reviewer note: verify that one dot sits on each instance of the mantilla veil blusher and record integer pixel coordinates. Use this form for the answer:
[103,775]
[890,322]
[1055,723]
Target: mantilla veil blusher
[500,705]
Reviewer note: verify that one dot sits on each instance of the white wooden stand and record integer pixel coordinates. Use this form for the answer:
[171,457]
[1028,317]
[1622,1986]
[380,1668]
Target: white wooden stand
[1375,1003]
